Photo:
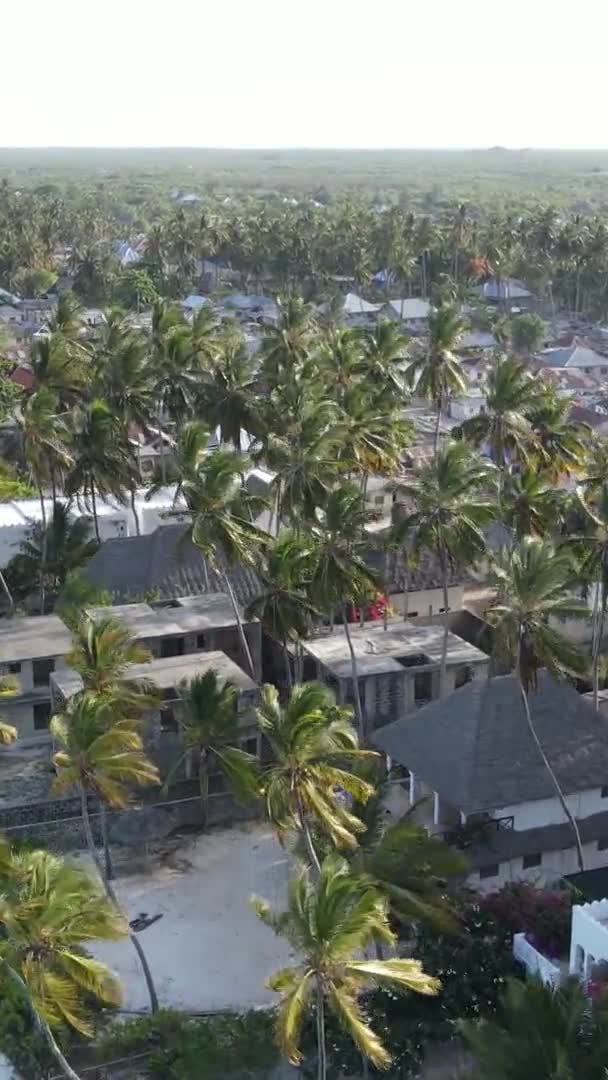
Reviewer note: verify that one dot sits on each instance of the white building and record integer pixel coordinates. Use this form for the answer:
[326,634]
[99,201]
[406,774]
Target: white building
[472,753]
[588,938]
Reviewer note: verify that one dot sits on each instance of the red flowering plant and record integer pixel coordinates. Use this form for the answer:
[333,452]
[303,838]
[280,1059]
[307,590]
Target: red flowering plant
[544,915]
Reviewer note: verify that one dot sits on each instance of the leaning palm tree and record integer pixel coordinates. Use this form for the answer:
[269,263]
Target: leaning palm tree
[105,757]
[447,506]
[312,741]
[340,576]
[504,426]
[209,727]
[330,920]
[282,606]
[541,1032]
[49,912]
[534,584]
[102,652]
[223,529]
[437,375]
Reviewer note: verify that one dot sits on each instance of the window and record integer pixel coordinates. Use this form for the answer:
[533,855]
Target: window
[491,870]
[168,723]
[605,791]
[172,646]
[531,861]
[42,670]
[42,715]
[201,641]
[602,844]
[378,500]
[250,745]
[423,686]
[15,669]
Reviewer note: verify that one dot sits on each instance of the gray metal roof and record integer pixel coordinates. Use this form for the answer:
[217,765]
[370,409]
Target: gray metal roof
[191,614]
[475,750]
[33,637]
[165,563]
[573,356]
[378,651]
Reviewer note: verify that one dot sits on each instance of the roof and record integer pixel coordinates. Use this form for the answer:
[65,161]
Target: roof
[356,305]
[582,414]
[33,637]
[477,339]
[409,308]
[194,302]
[575,355]
[506,289]
[166,673]
[382,651]
[474,748]
[165,563]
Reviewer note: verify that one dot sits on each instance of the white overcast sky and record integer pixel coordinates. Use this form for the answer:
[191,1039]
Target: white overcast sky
[326,73]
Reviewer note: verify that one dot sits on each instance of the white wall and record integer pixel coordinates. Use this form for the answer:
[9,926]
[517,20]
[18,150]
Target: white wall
[428,601]
[588,937]
[540,812]
[555,865]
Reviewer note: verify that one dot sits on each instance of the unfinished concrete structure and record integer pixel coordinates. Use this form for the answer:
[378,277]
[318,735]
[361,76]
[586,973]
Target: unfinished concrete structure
[31,649]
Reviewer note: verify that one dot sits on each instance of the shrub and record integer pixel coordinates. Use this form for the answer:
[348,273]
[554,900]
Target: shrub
[544,915]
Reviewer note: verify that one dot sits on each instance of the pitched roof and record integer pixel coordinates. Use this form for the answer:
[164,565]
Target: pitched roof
[576,355]
[410,308]
[474,748]
[356,305]
[166,563]
[506,289]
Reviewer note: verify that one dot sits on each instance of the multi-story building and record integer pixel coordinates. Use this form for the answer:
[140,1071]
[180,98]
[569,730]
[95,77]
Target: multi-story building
[398,667]
[31,649]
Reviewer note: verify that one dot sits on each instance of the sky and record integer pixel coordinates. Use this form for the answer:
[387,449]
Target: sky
[305,73]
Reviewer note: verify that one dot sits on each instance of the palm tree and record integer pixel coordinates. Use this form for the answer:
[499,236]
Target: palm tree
[533,582]
[227,396]
[504,425]
[282,607]
[105,463]
[593,547]
[448,506]
[340,576]
[49,912]
[106,757]
[312,742]
[301,449]
[560,442]
[209,727]
[103,651]
[385,350]
[330,920]
[530,503]
[48,555]
[223,528]
[123,373]
[438,374]
[541,1032]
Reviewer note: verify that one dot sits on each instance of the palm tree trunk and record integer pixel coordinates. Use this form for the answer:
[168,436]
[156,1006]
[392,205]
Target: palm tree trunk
[239,623]
[103,821]
[203,783]
[7,592]
[600,638]
[43,552]
[355,675]
[437,426]
[310,848]
[287,662]
[94,506]
[88,832]
[135,514]
[443,670]
[39,1022]
[321,1047]
[558,791]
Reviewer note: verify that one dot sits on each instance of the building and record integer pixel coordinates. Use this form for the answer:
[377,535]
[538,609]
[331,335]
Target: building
[508,291]
[31,649]
[190,624]
[578,356]
[161,723]
[411,311]
[398,667]
[490,793]
[166,565]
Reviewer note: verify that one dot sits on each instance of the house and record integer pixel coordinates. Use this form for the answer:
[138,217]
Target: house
[165,564]
[160,724]
[248,306]
[194,303]
[509,291]
[414,591]
[473,754]
[398,667]
[351,309]
[468,404]
[190,624]
[31,649]
[578,355]
[411,311]
[476,341]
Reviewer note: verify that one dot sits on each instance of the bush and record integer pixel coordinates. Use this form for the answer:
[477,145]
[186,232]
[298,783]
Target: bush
[544,915]
[19,1041]
[205,1048]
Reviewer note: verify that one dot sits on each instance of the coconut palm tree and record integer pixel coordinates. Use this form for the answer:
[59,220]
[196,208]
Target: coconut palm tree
[340,577]
[223,528]
[102,652]
[301,449]
[560,442]
[228,393]
[504,426]
[124,376]
[286,347]
[104,756]
[438,374]
[49,912]
[592,545]
[540,1032]
[62,548]
[385,351]
[312,741]
[447,505]
[530,503]
[104,461]
[209,727]
[331,918]
[282,605]
[534,584]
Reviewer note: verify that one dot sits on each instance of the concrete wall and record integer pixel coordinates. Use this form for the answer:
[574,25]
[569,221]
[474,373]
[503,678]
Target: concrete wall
[541,812]
[588,937]
[424,602]
[555,865]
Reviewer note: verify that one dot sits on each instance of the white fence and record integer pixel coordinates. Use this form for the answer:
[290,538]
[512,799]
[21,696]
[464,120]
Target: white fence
[534,961]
